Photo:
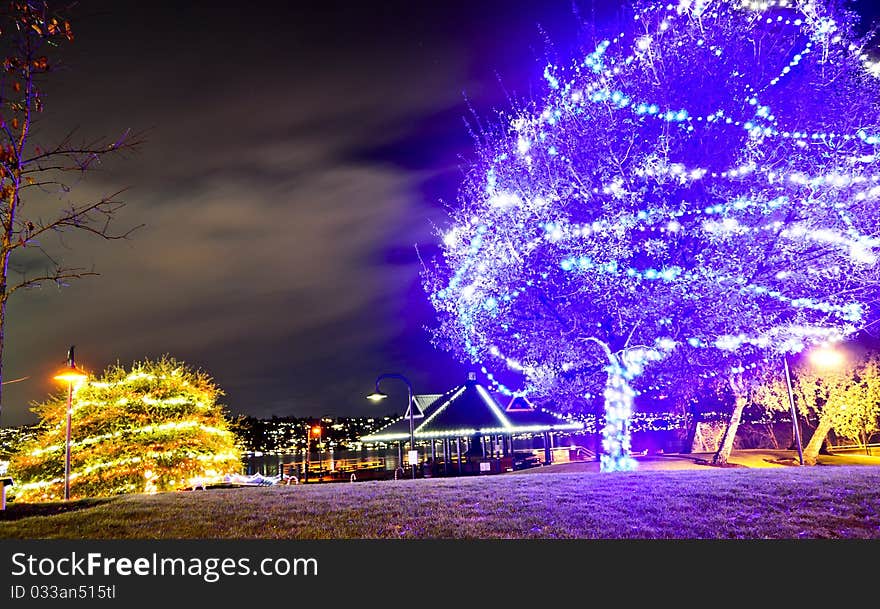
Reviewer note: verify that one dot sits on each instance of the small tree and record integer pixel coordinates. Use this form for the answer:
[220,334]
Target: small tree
[845,399]
[29,35]
[858,416]
[156,427]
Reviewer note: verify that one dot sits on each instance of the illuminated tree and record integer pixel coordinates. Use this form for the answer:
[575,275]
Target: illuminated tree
[844,398]
[704,183]
[36,176]
[156,427]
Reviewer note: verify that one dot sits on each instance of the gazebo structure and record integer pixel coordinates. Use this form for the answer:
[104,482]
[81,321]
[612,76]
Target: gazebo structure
[466,430]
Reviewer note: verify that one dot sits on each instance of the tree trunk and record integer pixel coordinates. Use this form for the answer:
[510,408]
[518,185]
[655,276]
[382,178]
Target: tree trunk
[2,330]
[693,423]
[616,449]
[616,454]
[772,435]
[4,296]
[811,450]
[722,455]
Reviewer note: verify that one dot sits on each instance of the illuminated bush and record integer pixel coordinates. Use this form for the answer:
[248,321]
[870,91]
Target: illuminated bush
[153,428]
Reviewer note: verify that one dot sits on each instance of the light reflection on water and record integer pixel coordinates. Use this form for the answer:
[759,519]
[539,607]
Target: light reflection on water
[269,465]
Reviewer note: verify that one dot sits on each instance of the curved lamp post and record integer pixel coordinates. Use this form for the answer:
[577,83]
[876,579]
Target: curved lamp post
[71,375]
[823,357]
[379,395]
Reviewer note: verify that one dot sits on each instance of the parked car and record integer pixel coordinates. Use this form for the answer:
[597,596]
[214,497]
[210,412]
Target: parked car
[524,460]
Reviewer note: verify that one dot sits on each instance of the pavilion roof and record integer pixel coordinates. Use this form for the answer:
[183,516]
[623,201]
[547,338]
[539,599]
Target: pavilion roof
[469,409]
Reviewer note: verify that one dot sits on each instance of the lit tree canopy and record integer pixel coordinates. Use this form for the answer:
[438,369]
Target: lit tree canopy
[155,427]
[704,180]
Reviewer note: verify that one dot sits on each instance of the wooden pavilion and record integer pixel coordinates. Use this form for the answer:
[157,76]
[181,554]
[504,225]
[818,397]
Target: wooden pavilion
[466,430]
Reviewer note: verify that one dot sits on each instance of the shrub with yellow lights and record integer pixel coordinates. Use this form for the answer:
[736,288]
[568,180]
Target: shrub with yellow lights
[156,427]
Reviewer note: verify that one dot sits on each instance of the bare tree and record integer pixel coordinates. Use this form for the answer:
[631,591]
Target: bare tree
[29,33]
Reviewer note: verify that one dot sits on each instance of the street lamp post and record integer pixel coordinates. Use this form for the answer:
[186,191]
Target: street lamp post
[312,431]
[308,446]
[316,431]
[794,421]
[70,374]
[829,358]
[379,395]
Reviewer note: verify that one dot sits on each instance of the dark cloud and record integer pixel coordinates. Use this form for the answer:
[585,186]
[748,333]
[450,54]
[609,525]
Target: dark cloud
[296,153]
[269,221]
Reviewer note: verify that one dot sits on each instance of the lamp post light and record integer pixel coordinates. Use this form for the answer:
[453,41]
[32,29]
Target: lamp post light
[823,357]
[316,431]
[826,357]
[829,357]
[379,395]
[71,375]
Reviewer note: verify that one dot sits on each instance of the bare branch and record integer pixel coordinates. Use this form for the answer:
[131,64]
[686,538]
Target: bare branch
[83,218]
[58,276]
[62,185]
[81,157]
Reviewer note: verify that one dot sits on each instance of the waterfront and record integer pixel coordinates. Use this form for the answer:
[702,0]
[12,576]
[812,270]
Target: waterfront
[334,460]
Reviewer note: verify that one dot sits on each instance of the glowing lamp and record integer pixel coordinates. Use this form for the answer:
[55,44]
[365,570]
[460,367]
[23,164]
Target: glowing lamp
[316,431]
[70,374]
[826,357]
[379,395]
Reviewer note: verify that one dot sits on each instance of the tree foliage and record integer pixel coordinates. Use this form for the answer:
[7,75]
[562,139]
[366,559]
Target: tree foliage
[155,427]
[703,183]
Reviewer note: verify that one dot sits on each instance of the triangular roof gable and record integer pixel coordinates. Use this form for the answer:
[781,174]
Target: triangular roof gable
[468,406]
[465,410]
[422,403]
[519,404]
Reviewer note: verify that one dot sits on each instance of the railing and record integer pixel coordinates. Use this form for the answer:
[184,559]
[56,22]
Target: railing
[871,449]
[563,454]
[341,469]
[379,468]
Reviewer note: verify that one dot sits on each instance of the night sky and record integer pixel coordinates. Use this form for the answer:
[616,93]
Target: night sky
[296,154]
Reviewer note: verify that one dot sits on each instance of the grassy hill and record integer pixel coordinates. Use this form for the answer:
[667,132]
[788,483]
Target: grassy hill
[730,503]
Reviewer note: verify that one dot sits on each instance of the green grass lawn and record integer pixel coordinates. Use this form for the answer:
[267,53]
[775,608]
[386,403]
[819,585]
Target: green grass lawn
[730,503]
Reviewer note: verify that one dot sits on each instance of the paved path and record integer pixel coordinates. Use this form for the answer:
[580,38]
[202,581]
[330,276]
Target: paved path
[756,458]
